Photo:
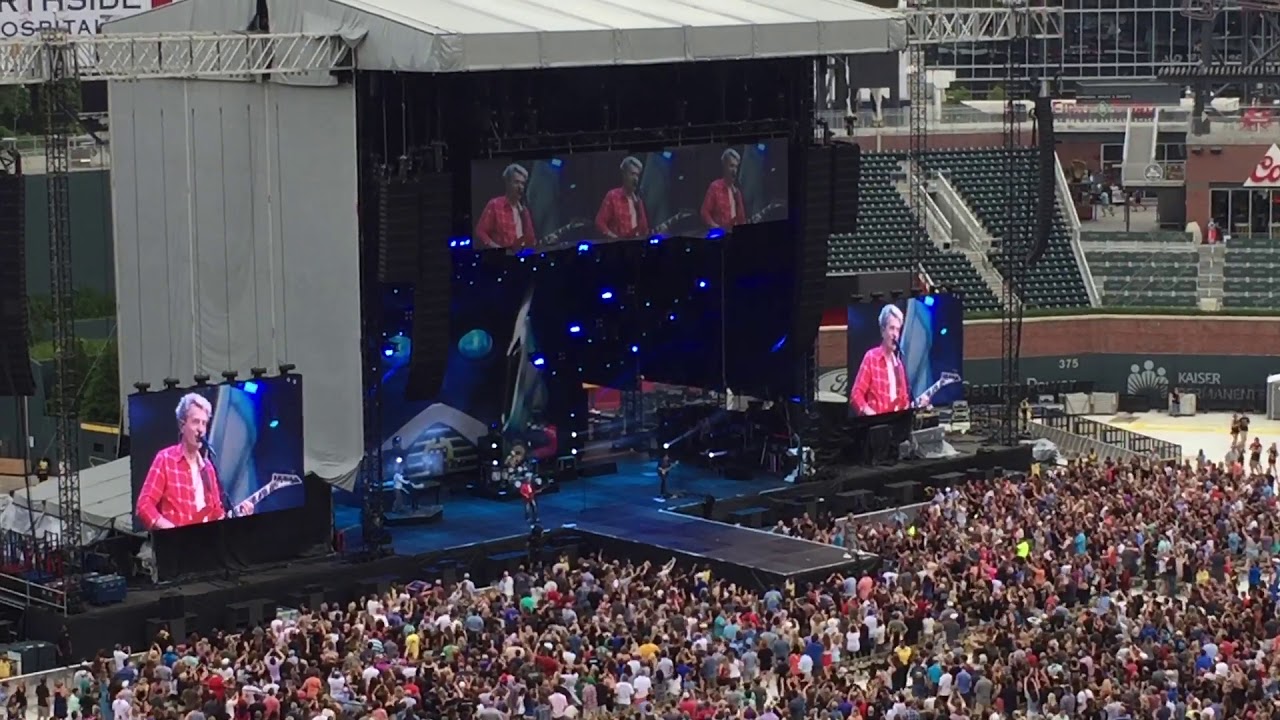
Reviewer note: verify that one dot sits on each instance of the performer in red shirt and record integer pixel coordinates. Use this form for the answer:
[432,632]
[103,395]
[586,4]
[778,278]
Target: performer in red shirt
[182,486]
[506,221]
[723,206]
[881,383]
[622,215]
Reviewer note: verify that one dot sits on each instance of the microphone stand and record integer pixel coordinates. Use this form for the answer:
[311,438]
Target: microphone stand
[210,457]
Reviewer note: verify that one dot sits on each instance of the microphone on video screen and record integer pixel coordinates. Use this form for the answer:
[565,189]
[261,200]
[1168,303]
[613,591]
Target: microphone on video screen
[206,449]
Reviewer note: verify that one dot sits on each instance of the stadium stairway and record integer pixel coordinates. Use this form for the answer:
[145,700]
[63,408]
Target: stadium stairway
[980,176]
[886,226]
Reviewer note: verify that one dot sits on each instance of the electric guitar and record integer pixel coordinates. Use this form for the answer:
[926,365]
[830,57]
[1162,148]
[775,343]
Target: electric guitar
[764,211]
[665,472]
[279,481]
[946,378]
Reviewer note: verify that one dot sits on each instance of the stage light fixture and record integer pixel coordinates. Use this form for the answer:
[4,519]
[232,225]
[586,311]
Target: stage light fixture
[635,349]
[493,446]
[575,329]
[666,446]
[928,301]
[671,317]
[171,383]
[230,375]
[538,360]
[573,433]
[702,284]
[606,295]
[388,351]
[655,239]
[202,379]
[574,451]
[143,387]
[273,424]
[943,332]
[584,247]
[258,372]
[495,463]
[713,234]
[286,368]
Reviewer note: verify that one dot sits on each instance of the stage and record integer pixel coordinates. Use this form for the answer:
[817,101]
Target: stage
[617,513]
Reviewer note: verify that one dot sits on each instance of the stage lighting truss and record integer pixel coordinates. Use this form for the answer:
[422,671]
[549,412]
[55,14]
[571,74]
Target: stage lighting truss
[176,56]
[935,26]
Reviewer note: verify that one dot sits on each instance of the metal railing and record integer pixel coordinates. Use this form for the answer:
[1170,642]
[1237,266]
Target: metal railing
[1126,441]
[1073,221]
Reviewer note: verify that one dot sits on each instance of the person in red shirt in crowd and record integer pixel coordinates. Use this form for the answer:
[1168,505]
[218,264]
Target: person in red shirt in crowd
[723,206]
[622,215]
[506,222]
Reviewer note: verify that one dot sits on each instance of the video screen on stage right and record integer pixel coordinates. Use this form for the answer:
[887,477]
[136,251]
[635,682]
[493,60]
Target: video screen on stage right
[905,355]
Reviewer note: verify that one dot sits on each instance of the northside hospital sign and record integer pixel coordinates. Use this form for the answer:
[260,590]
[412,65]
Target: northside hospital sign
[27,18]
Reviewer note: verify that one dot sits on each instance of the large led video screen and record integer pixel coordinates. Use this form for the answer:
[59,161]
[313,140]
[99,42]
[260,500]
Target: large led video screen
[214,452]
[690,191]
[905,355]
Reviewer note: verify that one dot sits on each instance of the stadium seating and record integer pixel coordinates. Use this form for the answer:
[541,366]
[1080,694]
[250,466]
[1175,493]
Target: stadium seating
[1250,275]
[885,230]
[981,176]
[1146,279]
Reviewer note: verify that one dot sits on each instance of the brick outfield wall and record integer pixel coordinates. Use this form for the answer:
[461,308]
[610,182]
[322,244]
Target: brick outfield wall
[1102,334]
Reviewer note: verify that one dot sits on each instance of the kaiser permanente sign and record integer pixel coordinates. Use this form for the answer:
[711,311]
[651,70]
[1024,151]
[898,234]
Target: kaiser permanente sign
[26,18]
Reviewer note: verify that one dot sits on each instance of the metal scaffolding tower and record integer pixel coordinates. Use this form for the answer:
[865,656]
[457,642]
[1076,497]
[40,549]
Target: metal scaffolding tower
[56,63]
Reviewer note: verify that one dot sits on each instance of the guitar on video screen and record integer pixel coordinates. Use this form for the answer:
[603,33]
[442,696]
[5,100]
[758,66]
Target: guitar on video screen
[279,481]
[553,239]
[764,212]
[946,378]
[665,226]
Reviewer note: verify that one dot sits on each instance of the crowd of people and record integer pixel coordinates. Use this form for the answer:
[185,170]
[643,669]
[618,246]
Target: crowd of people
[1100,591]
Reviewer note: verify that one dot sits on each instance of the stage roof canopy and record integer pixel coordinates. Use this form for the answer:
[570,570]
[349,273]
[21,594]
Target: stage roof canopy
[457,36]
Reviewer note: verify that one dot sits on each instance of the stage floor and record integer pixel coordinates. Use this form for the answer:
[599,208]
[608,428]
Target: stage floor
[470,520]
[694,537]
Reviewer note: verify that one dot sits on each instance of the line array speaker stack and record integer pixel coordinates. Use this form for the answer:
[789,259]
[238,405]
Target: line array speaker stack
[399,230]
[1046,195]
[846,172]
[815,234]
[433,287]
[16,378]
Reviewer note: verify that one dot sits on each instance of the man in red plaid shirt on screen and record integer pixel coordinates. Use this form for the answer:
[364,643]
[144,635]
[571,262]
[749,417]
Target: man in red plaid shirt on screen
[506,221]
[621,215]
[881,384]
[182,486]
[723,206]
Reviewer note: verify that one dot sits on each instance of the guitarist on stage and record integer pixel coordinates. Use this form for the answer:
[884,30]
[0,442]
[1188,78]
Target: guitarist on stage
[182,485]
[664,472]
[530,495]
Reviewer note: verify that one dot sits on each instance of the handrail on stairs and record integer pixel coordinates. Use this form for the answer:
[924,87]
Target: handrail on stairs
[1073,220]
[980,237]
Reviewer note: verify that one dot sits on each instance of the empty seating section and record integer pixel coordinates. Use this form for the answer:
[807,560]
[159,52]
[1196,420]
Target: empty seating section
[982,177]
[885,230]
[1250,278]
[1146,278]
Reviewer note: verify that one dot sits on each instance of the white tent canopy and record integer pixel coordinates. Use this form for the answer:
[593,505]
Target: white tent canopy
[455,36]
[106,503]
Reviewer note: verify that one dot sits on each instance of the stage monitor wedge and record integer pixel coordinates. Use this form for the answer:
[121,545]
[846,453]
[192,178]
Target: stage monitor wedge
[16,378]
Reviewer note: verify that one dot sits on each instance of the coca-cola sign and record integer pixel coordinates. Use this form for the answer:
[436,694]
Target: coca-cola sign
[1266,173]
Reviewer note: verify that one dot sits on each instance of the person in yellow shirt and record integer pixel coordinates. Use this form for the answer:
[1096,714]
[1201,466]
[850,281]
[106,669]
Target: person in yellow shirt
[412,643]
[648,651]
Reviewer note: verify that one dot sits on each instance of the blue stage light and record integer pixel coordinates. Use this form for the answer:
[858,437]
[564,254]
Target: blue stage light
[780,344]
[584,247]
[944,331]
[761,147]
[928,301]
[606,295]
[702,284]
[538,359]
[251,387]
[715,233]
[672,316]
[655,239]
[388,352]
[635,348]
[274,424]
[557,163]
[666,154]
[575,329]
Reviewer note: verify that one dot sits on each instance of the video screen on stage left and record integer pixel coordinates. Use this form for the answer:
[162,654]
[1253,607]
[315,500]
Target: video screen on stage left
[215,452]
[905,355]
[690,191]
